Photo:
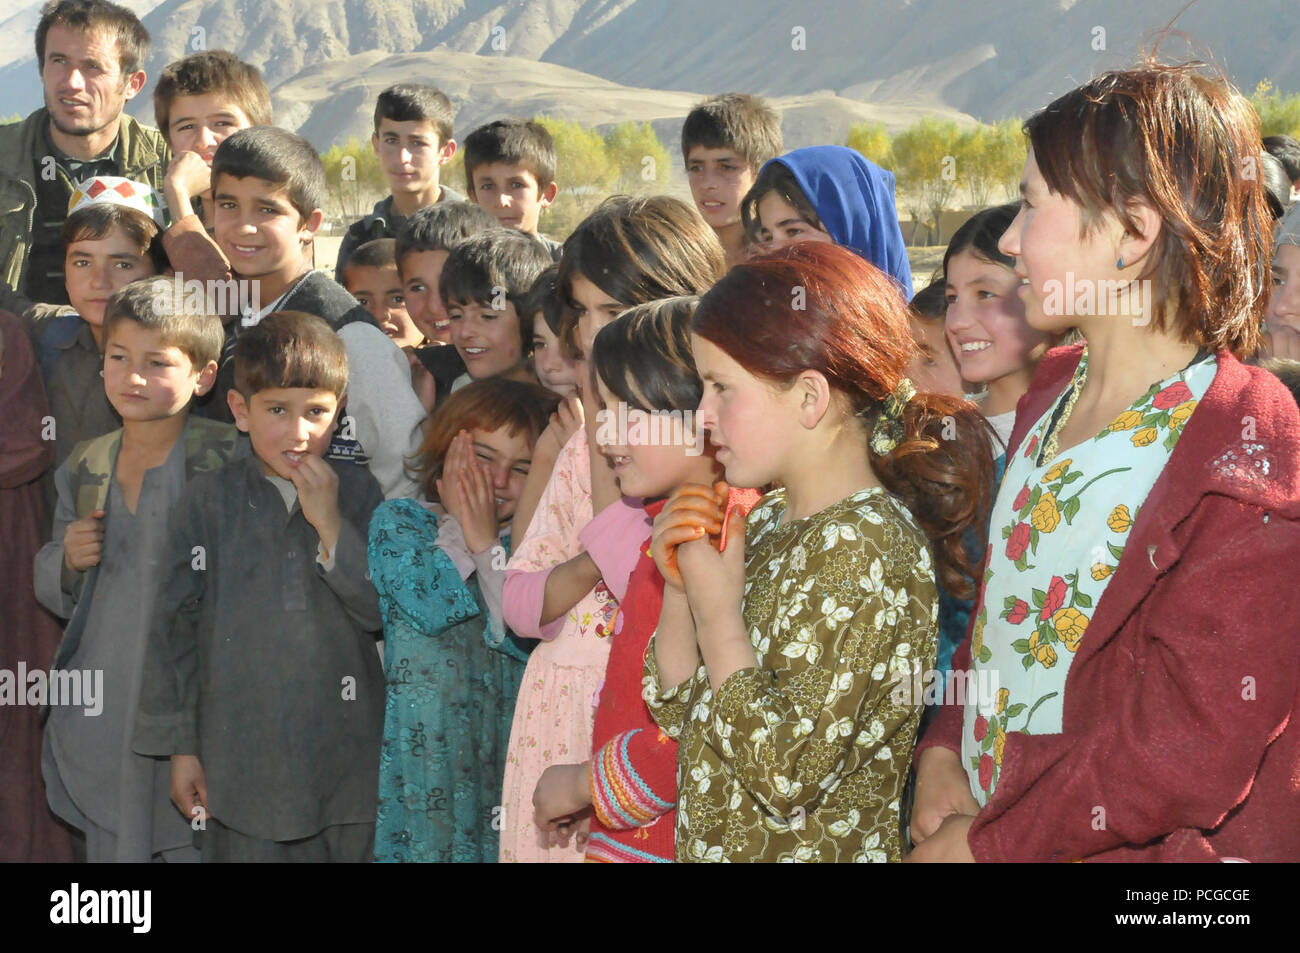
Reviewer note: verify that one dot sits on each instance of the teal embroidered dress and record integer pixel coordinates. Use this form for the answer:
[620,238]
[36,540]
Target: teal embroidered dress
[1058,530]
[452,679]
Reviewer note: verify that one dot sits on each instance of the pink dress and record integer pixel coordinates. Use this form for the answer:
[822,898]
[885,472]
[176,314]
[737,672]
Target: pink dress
[555,711]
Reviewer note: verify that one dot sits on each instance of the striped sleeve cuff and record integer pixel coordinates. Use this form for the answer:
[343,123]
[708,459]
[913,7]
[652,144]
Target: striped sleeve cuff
[621,799]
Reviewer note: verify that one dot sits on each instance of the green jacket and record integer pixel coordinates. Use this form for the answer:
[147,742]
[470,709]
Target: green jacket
[141,155]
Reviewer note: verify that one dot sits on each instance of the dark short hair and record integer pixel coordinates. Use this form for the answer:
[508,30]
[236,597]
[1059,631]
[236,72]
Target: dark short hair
[442,227]
[161,304]
[1178,139]
[379,253]
[411,102]
[644,356]
[212,71]
[547,298]
[1277,185]
[93,222]
[931,302]
[283,158]
[290,349]
[86,16]
[521,142]
[980,233]
[745,124]
[1287,151]
[499,258]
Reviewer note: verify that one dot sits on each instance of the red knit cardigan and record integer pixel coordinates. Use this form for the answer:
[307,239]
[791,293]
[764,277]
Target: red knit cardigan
[1179,739]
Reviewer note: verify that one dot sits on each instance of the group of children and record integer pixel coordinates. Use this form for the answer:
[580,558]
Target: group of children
[389,567]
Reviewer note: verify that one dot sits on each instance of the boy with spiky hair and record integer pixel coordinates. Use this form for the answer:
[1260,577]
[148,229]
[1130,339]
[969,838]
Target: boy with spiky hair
[510,171]
[116,494]
[261,681]
[725,141]
[413,139]
[268,187]
[484,283]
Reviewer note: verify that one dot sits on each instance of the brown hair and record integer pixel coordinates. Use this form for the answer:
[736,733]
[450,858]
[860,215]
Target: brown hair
[93,222]
[212,71]
[638,250]
[745,124]
[94,16]
[776,177]
[290,349]
[1187,144]
[160,304]
[854,330]
[483,405]
[644,356]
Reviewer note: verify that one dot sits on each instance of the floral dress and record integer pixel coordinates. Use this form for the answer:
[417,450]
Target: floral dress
[450,697]
[1059,530]
[556,709]
[803,758]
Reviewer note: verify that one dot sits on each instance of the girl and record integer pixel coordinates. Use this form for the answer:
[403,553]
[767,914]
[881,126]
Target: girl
[1282,331]
[649,391]
[985,319]
[1149,513]
[828,194]
[782,668]
[438,569]
[544,307]
[934,369]
[561,586]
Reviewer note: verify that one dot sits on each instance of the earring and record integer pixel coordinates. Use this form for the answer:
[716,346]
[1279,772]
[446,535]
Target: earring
[1119,263]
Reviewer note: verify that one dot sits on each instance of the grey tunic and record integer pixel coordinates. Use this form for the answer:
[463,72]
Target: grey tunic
[262,663]
[91,774]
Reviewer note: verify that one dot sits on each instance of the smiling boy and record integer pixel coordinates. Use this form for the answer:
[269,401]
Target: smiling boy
[413,140]
[484,282]
[116,494]
[725,141]
[510,171]
[268,189]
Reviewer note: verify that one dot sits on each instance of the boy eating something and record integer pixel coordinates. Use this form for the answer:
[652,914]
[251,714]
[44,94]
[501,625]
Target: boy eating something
[262,682]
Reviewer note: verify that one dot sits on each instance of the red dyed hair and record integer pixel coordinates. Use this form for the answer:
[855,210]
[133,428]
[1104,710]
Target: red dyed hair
[852,327]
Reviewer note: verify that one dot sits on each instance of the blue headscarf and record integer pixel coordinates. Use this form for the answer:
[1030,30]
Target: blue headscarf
[854,199]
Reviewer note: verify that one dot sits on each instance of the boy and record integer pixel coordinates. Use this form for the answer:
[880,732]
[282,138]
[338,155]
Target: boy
[725,141]
[425,241]
[371,276]
[261,678]
[484,280]
[510,171]
[413,139]
[268,186]
[199,101]
[102,569]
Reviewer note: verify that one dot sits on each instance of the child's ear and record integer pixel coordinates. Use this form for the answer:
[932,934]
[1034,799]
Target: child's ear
[308,227]
[446,152]
[813,393]
[374,142]
[547,195]
[238,408]
[207,377]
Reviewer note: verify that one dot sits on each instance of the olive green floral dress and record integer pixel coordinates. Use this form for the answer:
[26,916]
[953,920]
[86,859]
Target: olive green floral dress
[804,757]
[1063,524]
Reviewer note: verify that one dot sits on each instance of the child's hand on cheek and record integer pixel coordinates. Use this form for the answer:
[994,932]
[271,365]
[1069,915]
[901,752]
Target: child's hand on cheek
[476,501]
[318,495]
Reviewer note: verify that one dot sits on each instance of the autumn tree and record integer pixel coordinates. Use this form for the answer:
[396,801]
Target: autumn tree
[925,168]
[354,181]
[872,142]
[1278,114]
